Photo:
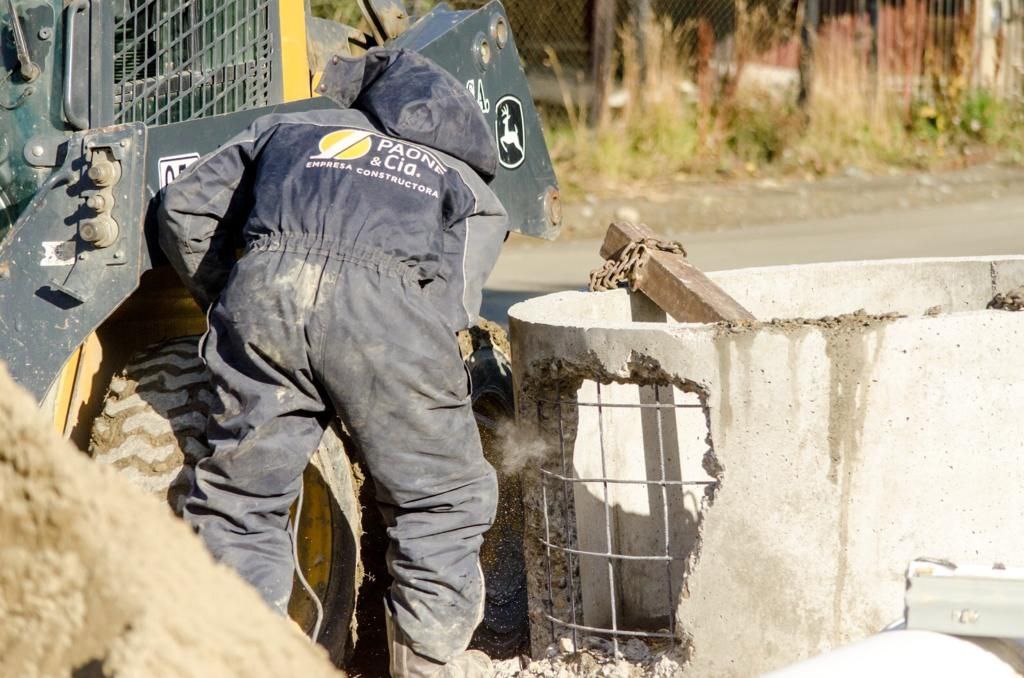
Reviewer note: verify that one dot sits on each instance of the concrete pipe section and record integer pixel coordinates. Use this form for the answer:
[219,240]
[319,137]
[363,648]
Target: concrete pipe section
[899,654]
[749,495]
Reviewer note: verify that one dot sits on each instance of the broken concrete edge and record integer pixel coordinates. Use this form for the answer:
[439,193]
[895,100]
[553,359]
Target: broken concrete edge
[565,377]
[568,338]
[570,332]
[847,321]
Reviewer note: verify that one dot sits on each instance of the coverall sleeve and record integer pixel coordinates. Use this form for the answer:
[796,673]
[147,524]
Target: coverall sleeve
[485,223]
[202,212]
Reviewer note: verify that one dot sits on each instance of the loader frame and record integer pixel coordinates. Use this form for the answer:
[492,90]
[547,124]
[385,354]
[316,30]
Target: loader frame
[68,266]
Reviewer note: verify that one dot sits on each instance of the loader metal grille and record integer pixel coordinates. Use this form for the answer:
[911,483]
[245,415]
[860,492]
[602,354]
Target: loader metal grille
[177,60]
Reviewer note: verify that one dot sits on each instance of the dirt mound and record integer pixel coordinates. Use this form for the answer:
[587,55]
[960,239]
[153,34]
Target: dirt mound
[98,579]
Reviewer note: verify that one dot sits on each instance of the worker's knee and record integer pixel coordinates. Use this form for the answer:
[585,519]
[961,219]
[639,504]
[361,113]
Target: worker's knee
[233,496]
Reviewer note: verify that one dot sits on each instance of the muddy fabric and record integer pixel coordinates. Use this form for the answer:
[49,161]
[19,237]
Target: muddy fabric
[404,663]
[364,254]
[353,333]
[423,114]
[352,176]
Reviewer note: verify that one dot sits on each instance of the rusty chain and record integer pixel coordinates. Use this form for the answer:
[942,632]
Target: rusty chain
[1010,301]
[627,266]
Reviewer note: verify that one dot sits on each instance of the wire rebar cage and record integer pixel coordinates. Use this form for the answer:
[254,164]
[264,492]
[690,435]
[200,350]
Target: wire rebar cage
[616,507]
[176,61]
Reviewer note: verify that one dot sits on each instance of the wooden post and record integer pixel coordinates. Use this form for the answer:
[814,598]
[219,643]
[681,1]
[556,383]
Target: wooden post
[676,286]
[602,52]
[873,22]
[642,19]
[808,41]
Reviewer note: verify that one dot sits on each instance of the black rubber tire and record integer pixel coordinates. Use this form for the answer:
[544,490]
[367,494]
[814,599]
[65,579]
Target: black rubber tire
[152,431]
[152,427]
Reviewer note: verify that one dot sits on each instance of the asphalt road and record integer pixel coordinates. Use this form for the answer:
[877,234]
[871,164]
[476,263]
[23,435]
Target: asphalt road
[989,227]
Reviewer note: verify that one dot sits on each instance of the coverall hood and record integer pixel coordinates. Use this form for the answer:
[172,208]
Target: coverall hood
[412,98]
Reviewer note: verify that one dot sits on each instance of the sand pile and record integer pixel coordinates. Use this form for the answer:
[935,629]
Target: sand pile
[98,579]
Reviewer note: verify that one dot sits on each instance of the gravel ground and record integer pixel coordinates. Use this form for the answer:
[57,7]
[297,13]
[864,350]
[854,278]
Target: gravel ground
[594,658]
[681,206]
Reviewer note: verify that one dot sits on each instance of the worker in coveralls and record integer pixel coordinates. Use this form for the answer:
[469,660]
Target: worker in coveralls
[368,232]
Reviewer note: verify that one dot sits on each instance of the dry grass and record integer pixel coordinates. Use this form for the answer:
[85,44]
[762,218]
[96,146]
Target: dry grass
[680,113]
[656,130]
[335,10]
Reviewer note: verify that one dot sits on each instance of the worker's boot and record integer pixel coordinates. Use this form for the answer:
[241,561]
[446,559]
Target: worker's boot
[407,664]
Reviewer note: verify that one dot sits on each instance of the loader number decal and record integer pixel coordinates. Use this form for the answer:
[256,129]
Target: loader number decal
[173,166]
[477,91]
[58,253]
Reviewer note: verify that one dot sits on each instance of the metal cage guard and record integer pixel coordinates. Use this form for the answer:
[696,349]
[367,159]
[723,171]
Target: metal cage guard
[566,546]
[178,61]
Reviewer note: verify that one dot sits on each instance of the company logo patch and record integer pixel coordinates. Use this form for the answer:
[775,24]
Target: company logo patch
[510,128]
[381,158]
[346,144]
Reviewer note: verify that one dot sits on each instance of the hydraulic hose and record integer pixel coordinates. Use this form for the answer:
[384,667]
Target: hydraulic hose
[298,569]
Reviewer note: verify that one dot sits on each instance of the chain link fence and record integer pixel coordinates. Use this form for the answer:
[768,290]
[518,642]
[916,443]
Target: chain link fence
[569,27]
[908,42]
[909,39]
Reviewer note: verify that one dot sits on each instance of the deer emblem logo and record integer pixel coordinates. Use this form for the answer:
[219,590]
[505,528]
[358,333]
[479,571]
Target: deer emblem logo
[510,131]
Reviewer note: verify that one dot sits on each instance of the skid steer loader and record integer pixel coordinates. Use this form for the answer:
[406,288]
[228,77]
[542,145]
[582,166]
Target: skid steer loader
[104,102]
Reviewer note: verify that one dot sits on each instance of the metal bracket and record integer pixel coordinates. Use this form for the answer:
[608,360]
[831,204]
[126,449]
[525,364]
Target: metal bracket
[43,150]
[106,202]
[965,601]
[55,287]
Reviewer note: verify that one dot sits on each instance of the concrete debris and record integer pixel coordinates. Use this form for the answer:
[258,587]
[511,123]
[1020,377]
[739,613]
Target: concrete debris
[848,321]
[1011,301]
[634,660]
[636,651]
